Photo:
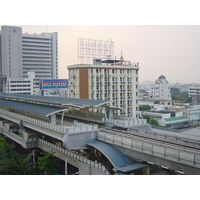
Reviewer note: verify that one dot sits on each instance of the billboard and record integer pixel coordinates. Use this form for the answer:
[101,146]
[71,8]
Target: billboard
[53,84]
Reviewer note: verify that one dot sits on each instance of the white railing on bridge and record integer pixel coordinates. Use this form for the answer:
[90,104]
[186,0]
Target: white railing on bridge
[77,128]
[125,122]
[19,117]
[172,153]
[75,155]
[181,139]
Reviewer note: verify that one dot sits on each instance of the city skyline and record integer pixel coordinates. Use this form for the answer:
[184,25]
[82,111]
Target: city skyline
[171,51]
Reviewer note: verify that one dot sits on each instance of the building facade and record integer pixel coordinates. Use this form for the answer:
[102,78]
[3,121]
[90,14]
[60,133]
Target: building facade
[21,85]
[21,53]
[111,80]
[194,91]
[160,90]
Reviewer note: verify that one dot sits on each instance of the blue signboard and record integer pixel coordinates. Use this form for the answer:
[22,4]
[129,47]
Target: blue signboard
[53,84]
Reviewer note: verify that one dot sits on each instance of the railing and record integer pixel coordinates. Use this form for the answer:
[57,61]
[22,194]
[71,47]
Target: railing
[80,127]
[125,121]
[58,128]
[172,153]
[166,137]
[75,155]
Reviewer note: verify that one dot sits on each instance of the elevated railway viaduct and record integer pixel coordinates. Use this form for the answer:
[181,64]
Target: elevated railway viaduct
[30,120]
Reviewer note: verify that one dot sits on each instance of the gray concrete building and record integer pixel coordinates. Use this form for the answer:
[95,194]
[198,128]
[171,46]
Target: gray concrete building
[21,53]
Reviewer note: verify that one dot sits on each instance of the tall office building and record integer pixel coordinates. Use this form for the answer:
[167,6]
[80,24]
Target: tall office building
[112,80]
[11,52]
[21,53]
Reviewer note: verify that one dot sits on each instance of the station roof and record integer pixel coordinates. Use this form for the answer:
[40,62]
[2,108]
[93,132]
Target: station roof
[61,101]
[119,160]
[31,108]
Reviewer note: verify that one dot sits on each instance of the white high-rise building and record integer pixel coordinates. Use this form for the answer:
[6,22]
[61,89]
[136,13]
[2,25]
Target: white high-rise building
[21,53]
[111,80]
[160,90]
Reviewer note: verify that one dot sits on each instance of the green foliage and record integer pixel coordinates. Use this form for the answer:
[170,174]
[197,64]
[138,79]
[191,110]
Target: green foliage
[175,90]
[151,120]
[48,164]
[146,117]
[180,96]
[11,163]
[144,107]
[189,100]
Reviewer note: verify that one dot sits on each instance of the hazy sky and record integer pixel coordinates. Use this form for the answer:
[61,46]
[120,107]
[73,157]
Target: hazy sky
[172,51]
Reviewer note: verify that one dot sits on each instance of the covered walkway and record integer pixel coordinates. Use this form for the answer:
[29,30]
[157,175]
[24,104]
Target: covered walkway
[120,162]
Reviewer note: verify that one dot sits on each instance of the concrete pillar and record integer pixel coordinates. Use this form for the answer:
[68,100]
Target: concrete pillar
[52,119]
[61,123]
[111,113]
[65,165]
[146,171]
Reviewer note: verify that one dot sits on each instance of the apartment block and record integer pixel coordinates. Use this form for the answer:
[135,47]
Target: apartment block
[111,80]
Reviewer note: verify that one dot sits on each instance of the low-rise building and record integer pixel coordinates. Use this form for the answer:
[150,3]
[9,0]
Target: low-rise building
[143,94]
[160,90]
[194,90]
[194,115]
[21,85]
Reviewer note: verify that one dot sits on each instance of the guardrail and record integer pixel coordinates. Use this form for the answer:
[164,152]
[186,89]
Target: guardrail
[166,137]
[125,122]
[75,155]
[172,153]
[80,127]
[19,117]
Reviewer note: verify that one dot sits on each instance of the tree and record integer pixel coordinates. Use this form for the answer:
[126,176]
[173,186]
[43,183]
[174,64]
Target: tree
[146,117]
[144,107]
[153,122]
[48,164]
[174,90]
[189,100]
[12,163]
[180,96]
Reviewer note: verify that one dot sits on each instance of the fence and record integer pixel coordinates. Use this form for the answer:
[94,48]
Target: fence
[172,153]
[75,155]
[125,122]
[80,127]
[176,138]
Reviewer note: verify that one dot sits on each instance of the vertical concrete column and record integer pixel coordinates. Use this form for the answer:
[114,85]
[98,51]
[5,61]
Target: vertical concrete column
[146,171]
[111,113]
[61,123]
[52,119]
[65,165]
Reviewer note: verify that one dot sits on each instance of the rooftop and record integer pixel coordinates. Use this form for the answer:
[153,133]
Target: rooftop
[54,101]
[175,119]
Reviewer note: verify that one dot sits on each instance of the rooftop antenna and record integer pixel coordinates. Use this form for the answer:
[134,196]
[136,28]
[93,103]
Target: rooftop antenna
[121,58]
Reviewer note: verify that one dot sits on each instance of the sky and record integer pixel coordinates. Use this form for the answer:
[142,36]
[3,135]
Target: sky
[163,36]
[144,34]
[172,51]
